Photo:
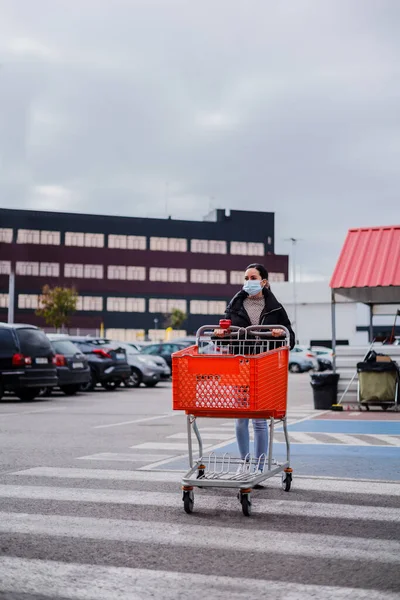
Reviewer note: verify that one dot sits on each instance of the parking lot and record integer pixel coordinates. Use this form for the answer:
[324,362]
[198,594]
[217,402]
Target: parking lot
[90,492]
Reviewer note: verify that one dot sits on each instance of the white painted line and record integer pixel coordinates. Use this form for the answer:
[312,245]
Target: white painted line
[318,484]
[115,456]
[74,581]
[203,536]
[164,416]
[390,439]
[349,440]
[34,412]
[282,508]
[205,436]
[302,438]
[162,446]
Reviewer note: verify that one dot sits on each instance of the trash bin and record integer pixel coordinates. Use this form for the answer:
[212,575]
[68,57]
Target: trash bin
[325,386]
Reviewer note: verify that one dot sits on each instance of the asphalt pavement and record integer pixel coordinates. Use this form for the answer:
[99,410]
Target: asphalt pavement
[91,507]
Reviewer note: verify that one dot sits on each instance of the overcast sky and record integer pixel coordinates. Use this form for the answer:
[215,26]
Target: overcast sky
[292,106]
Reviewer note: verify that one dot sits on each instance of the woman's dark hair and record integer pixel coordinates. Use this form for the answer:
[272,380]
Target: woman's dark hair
[260,268]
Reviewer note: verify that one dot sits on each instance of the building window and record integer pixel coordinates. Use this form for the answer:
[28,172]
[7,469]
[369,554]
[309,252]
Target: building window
[73,238]
[93,271]
[87,240]
[28,301]
[168,244]
[136,273]
[116,272]
[247,248]
[5,267]
[49,269]
[171,275]
[207,307]
[237,277]
[3,300]
[129,273]
[163,305]
[118,304]
[74,271]
[205,276]
[27,268]
[6,235]
[50,238]
[276,277]
[35,236]
[127,242]
[209,246]
[28,236]
[217,277]
[90,303]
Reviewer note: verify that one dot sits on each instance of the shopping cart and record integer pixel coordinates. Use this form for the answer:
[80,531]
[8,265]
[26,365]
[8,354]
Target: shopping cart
[242,375]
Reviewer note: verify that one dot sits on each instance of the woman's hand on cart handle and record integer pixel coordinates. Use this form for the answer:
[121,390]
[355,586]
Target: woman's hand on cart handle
[277,333]
[221,332]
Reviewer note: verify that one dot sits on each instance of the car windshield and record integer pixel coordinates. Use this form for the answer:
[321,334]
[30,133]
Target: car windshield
[34,342]
[65,347]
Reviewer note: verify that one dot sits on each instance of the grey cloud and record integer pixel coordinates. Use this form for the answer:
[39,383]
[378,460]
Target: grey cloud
[284,106]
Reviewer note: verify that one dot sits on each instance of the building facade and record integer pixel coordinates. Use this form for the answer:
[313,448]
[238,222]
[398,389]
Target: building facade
[130,273]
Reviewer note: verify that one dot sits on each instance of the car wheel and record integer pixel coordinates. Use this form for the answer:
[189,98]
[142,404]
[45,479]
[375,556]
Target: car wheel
[45,391]
[134,380]
[111,385]
[91,384]
[27,395]
[70,390]
[294,368]
[151,384]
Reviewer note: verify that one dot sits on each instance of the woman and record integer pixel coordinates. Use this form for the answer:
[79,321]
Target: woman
[255,304]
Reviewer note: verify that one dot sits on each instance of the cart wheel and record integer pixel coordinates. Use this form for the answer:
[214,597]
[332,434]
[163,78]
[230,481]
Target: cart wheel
[188,502]
[286,481]
[245,501]
[366,407]
[385,406]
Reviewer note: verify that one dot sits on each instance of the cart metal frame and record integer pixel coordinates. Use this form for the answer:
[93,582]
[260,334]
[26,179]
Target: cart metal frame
[210,471]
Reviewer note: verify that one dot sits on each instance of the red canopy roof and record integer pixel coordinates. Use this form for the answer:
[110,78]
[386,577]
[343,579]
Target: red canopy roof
[368,269]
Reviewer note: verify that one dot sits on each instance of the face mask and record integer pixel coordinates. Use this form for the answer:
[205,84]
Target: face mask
[252,287]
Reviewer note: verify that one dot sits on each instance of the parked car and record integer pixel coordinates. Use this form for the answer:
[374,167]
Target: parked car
[302,360]
[108,363]
[163,349]
[324,357]
[27,361]
[73,370]
[145,369]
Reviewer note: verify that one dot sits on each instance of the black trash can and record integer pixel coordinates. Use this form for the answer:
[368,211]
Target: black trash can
[325,386]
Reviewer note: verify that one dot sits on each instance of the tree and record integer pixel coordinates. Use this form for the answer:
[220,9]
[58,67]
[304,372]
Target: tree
[176,318]
[57,305]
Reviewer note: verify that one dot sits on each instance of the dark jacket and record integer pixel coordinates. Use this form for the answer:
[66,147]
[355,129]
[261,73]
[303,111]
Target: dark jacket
[272,314]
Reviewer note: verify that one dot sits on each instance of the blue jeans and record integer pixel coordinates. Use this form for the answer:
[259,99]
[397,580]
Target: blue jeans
[260,437]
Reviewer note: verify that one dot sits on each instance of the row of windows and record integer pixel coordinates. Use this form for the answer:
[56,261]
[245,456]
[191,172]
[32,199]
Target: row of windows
[130,273]
[127,305]
[132,242]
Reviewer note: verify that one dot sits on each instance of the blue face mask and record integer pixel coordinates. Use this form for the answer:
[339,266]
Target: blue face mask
[253,287]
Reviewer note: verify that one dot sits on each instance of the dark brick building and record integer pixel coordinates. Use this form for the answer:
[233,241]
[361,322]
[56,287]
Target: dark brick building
[130,272]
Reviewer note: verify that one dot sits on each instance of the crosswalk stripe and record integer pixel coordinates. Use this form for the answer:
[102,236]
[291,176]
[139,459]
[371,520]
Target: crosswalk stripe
[173,500]
[70,580]
[220,538]
[121,457]
[349,440]
[162,446]
[206,435]
[302,438]
[389,439]
[349,486]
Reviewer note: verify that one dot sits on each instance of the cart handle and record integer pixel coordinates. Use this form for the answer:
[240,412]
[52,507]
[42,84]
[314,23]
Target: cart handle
[260,331]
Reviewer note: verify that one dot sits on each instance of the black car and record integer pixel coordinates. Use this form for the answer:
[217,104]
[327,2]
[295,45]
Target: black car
[164,349]
[108,364]
[27,361]
[73,370]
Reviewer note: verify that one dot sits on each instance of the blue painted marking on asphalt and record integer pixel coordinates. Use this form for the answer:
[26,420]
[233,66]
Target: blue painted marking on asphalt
[347,426]
[319,460]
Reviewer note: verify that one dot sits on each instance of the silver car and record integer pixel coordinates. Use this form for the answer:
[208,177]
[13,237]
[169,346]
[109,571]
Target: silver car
[301,360]
[145,369]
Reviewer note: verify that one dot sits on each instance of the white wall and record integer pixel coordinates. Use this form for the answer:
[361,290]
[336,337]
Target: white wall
[314,313]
